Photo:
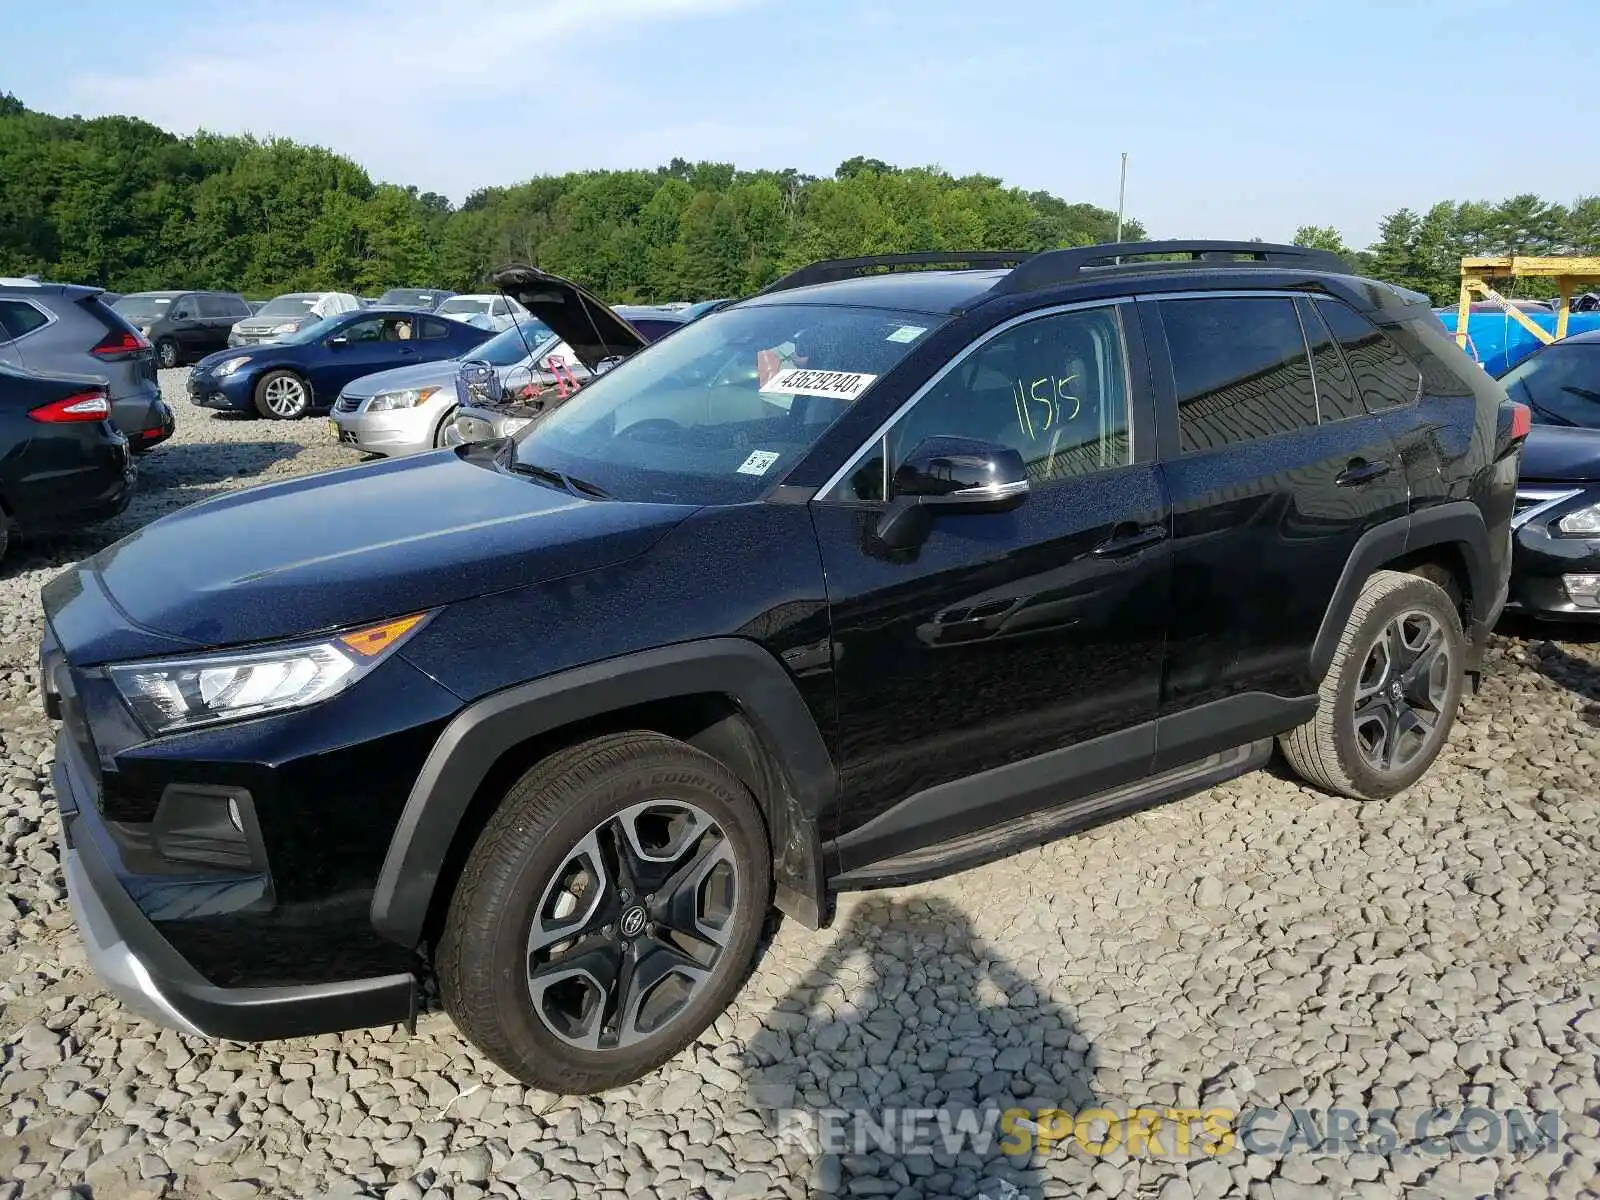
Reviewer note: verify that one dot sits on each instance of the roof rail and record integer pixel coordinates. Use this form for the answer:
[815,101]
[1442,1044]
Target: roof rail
[1059,266]
[832,270]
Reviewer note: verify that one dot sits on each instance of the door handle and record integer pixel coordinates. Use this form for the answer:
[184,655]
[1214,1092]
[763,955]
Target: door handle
[1361,471]
[1129,538]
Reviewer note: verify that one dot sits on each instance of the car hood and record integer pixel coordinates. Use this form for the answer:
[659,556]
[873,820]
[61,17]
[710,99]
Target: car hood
[360,544]
[1553,454]
[577,316]
[251,354]
[416,375]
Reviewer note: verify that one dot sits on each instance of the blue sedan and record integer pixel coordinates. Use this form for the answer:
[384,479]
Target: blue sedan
[306,370]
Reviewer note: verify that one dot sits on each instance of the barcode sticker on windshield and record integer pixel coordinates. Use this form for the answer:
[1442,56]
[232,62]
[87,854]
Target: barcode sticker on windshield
[759,462]
[835,385]
[907,333]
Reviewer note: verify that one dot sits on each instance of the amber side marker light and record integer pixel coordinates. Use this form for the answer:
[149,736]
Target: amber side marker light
[375,639]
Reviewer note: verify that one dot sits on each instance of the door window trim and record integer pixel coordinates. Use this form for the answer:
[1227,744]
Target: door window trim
[827,493]
[7,338]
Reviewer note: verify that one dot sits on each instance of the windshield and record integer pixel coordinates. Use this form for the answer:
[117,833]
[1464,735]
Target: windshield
[408,297]
[288,306]
[724,407]
[143,308]
[311,331]
[512,346]
[1561,385]
[464,304]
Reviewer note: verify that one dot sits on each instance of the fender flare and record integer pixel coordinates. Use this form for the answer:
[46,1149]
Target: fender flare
[477,736]
[1458,523]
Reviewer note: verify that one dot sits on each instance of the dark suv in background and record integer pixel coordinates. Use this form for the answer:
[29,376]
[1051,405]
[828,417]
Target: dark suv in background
[875,575]
[64,328]
[183,326]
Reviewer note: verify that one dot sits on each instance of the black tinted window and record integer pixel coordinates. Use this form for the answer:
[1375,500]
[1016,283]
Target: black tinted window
[18,318]
[653,331]
[1240,368]
[433,329]
[1384,375]
[215,306]
[1336,390]
[1055,390]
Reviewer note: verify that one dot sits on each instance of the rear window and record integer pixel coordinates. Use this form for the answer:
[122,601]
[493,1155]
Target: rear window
[651,329]
[1241,370]
[18,318]
[462,305]
[1384,373]
[288,306]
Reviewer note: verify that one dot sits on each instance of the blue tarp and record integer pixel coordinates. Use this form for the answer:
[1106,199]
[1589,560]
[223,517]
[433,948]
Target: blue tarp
[1499,343]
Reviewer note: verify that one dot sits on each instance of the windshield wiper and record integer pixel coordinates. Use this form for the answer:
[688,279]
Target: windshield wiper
[1549,412]
[1586,393]
[567,483]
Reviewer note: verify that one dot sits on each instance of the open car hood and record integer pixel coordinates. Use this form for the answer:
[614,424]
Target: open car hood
[580,318]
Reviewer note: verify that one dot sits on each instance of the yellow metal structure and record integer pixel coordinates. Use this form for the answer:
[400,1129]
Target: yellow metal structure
[1569,274]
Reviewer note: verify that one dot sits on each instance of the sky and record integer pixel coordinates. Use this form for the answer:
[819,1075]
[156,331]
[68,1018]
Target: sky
[1240,119]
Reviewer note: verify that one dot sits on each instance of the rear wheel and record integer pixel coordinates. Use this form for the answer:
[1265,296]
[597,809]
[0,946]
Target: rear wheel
[1390,697]
[167,352]
[282,396]
[608,913]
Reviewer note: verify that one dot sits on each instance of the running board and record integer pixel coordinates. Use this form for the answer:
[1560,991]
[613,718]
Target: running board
[1071,816]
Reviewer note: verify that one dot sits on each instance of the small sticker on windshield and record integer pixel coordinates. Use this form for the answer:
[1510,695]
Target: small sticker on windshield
[907,333]
[759,462]
[835,385]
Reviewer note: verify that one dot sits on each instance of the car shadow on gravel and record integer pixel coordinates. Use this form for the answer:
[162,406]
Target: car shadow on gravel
[188,464]
[892,1066]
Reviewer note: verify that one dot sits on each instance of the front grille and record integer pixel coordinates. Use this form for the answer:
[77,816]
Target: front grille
[348,403]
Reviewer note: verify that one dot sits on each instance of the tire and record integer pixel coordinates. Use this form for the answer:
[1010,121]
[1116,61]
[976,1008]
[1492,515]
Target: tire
[446,422]
[167,353]
[1377,732]
[530,907]
[282,396]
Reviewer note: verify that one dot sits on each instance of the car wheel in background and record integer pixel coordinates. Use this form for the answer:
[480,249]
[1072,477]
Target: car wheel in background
[167,352]
[282,396]
[442,431]
[1390,697]
[608,913]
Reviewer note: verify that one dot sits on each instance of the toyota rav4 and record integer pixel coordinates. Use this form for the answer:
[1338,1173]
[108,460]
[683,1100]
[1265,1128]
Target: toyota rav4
[898,566]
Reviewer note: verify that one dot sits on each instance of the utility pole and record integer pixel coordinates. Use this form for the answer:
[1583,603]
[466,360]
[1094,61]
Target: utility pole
[1122,193]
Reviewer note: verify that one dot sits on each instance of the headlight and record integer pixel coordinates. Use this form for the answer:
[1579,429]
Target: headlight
[229,365]
[406,398]
[286,327]
[1585,522]
[182,693]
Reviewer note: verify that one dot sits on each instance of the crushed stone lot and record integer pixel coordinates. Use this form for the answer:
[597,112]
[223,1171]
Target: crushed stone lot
[1258,945]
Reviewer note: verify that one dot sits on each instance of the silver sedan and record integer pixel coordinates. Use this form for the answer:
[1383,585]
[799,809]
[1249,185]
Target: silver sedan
[407,410]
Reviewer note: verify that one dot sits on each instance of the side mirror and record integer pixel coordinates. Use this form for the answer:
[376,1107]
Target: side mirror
[949,475]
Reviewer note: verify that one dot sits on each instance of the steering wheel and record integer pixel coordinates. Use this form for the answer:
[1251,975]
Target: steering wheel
[651,429]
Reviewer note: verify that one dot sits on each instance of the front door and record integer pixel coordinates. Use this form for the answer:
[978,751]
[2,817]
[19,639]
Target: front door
[369,344]
[1026,644]
[1275,471]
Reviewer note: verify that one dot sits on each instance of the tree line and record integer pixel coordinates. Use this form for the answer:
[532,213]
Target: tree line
[118,202]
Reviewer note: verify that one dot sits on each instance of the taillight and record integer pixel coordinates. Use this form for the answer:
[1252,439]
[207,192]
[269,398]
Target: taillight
[80,406]
[1521,420]
[119,343]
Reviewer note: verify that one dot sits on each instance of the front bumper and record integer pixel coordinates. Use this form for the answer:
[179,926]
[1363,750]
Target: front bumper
[1542,557]
[143,970]
[230,393]
[392,433]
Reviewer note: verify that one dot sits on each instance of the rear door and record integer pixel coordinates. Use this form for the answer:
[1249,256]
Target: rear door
[187,325]
[1025,644]
[216,319]
[1275,470]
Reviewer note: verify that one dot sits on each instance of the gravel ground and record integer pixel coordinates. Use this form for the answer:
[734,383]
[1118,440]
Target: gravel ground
[1257,945]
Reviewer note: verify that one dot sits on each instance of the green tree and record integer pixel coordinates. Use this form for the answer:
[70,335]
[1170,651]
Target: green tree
[1321,237]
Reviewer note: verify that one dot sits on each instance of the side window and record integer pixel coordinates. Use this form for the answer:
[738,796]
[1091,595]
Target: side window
[362,331]
[18,318]
[1241,370]
[213,306]
[185,308]
[499,309]
[432,329]
[1054,389]
[1385,376]
[1336,390]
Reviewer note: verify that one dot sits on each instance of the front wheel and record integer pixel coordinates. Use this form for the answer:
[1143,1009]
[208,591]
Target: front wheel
[608,914]
[167,352]
[442,432]
[1390,697]
[282,396]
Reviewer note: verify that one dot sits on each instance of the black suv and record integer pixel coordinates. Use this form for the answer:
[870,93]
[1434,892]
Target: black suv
[184,326]
[874,575]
